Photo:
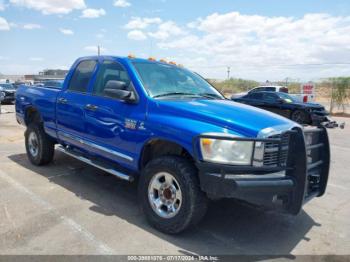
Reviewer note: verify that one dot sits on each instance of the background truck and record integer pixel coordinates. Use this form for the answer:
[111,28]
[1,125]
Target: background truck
[176,135]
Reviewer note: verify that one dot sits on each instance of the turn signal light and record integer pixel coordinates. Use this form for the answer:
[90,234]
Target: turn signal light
[206,141]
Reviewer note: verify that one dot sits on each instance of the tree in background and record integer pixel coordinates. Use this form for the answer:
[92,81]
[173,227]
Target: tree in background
[234,85]
[340,92]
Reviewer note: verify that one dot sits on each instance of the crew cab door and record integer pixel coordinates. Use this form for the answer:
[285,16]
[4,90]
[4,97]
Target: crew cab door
[70,106]
[113,127]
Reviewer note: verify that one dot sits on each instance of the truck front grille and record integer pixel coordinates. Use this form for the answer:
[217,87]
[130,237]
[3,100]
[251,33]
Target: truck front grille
[275,153]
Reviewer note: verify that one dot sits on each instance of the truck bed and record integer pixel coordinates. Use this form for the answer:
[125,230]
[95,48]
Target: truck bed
[43,99]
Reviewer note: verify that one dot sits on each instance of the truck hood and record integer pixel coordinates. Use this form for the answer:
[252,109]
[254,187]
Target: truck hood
[242,119]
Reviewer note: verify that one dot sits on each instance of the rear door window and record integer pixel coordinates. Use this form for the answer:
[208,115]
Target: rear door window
[256,96]
[81,76]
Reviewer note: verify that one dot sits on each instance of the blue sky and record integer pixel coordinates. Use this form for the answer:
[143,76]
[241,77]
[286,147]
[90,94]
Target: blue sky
[258,39]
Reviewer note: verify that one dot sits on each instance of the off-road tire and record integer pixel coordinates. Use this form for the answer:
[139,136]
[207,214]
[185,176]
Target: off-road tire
[46,146]
[194,201]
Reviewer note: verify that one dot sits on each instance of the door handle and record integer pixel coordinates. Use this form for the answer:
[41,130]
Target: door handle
[62,101]
[91,107]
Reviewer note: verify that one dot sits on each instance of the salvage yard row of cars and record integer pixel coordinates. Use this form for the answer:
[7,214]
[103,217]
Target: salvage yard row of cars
[8,90]
[7,93]
[168,129]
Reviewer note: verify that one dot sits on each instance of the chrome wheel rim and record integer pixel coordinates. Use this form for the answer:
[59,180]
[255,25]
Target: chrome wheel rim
[164,195]
[33,144]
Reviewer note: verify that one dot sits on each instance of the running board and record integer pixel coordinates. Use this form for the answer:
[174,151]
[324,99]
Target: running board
[100,165]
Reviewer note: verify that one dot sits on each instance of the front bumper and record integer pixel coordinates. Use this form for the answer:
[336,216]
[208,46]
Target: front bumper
[285,187]
[318,117]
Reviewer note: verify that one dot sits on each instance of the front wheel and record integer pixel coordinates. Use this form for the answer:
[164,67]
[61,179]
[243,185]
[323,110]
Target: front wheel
[40,149]
[300,117]
[170,195]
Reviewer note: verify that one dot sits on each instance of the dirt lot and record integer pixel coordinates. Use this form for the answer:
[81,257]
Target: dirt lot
[71,208]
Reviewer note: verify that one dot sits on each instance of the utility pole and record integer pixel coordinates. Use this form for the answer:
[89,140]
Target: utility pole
[98,50]
[228,72]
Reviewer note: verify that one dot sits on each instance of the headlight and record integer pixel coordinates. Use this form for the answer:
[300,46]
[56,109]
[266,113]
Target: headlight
[227,151]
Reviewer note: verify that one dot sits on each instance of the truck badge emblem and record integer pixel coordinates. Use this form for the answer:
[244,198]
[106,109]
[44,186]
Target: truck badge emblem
[130,124]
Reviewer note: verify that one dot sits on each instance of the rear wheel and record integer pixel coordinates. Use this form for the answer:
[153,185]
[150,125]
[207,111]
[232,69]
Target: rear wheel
[170,195]
[40,149]
[300,117]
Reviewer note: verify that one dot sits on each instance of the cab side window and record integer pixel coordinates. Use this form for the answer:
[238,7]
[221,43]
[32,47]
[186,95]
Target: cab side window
[269,97]
[109,70]
[270,88]
[81,76]
[256,89]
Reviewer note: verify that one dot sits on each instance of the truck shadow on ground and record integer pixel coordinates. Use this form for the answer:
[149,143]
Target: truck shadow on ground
[228,228]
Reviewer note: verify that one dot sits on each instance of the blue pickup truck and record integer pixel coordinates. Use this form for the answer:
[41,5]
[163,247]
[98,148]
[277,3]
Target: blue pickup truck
[176,135]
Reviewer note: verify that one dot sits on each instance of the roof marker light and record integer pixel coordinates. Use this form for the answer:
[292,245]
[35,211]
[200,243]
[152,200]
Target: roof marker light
[163,61]
[151,59]
[172,63]
[131,56]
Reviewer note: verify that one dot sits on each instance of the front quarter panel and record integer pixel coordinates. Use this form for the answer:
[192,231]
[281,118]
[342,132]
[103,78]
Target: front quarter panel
[175,128]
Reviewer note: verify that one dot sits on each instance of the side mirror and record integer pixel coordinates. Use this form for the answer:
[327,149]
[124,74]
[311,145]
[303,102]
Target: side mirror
[280,100]
[117,89]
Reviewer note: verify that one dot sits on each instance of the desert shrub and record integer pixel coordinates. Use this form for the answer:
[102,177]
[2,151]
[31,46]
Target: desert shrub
[340,92]
[234,85]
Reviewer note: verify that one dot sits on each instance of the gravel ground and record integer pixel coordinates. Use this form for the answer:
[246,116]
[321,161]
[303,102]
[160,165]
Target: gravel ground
[68,207]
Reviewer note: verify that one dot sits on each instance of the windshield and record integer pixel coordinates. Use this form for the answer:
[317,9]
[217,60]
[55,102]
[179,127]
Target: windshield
[287,98]
[163,80]
[7,86]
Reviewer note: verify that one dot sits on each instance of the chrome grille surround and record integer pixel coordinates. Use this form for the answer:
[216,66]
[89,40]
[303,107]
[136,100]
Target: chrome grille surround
[276,153]
[273,154]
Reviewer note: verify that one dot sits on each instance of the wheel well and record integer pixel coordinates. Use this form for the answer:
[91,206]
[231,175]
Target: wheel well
[158,147]
[303,110]
[32,116]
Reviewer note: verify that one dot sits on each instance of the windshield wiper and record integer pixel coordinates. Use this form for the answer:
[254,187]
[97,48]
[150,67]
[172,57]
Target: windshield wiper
[174,94]
[206,95]
[210,95]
